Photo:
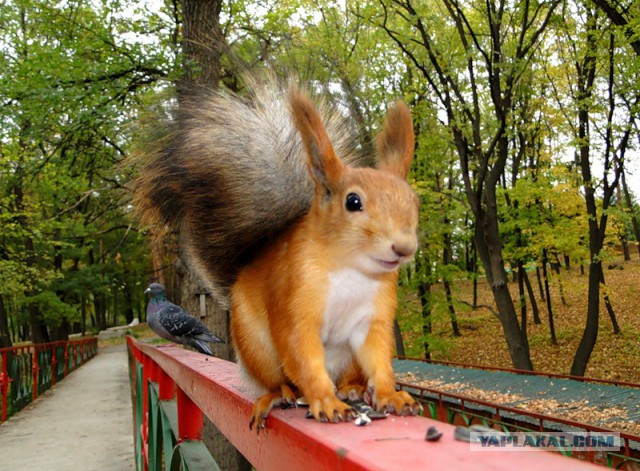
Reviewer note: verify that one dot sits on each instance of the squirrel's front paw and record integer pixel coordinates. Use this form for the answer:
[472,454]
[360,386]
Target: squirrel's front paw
[331,409]
[398,402]
[264,404]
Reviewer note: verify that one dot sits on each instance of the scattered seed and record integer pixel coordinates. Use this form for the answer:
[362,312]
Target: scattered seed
[433,434]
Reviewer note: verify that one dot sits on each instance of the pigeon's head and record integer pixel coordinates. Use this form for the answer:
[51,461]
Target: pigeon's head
[155,289]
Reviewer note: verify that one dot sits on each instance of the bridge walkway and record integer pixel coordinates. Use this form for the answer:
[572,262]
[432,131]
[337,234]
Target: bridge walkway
[83,423]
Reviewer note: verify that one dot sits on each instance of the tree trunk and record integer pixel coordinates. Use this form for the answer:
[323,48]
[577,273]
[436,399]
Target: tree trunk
[83,315]
[471,256]
[624,241]
[100,309]
[128,310]
[202,44]
[610,311]
[532,299]
[552,328]
[424,291]
[423,271]
[490,251]
[625,247]
[157,259]
[540,283]
[586,78]
[556,268]
[446,260]
[63,329]
[630,207]
[474,275]
[5,334]
[115,310]
[452,311]
[590,334]
[523,298]
[39,331]
[365,140]
[397,335]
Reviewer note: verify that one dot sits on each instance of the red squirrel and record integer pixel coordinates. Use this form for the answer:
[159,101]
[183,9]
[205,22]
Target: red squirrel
[276,213]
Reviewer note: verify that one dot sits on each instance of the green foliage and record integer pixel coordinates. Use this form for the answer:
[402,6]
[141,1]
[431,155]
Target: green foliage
[70,83]
[76,78]
[53,310]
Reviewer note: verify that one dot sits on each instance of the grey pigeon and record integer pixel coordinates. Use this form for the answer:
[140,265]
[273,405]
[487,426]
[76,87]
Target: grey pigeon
[173,323]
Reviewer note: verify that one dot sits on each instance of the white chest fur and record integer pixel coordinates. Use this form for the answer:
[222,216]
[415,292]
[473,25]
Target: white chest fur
[347,316]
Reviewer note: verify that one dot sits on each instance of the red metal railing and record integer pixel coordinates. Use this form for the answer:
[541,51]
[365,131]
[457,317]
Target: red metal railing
[457,407]
[213,387]
[29,370]
[448,405]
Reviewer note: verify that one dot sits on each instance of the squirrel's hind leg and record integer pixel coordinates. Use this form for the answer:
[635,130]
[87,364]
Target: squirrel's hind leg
[264,404]
[352,384]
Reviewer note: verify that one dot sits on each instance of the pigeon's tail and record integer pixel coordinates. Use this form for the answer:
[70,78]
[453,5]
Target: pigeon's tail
[202,347]
[201,343]
[209,337]
[230,173]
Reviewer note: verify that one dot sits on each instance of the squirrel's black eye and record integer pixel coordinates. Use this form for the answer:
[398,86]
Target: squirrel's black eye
[353,202]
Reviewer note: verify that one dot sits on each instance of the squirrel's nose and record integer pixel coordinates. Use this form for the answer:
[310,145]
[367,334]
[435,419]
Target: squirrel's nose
[404,248]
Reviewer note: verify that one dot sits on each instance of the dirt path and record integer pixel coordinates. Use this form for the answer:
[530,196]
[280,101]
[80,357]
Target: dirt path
[82,423]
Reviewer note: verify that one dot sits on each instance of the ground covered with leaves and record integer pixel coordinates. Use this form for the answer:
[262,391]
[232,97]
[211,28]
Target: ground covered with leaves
[615,357]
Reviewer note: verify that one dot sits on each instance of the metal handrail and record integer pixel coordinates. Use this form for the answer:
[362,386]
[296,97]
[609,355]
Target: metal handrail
[174,387]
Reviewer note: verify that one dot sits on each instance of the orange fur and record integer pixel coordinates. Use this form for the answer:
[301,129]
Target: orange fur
[282,300]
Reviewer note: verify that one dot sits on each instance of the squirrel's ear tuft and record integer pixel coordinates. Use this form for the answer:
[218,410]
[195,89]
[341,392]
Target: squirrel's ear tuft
[324,165]
[395,143]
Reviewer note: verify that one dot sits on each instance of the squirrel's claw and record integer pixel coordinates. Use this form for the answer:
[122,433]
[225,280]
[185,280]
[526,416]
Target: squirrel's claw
[259,420]
[415,408]
[262,407]
[331,409]
[398,402]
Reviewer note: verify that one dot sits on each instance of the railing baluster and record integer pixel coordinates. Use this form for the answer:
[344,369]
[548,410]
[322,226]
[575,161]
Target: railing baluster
[66,360]
[190,419]
[34,367]
[54,361]
[166,385]
[4,385]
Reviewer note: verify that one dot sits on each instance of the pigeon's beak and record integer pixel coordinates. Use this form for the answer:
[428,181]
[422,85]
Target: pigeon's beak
[147,291]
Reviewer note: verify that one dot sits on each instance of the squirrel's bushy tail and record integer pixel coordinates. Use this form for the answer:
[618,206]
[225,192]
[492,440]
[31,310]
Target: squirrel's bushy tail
[229,174]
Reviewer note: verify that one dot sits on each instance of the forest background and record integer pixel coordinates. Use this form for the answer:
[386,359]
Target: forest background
[526,116]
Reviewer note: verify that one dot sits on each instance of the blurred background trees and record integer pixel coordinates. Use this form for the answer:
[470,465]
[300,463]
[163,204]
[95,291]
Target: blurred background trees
[526,157]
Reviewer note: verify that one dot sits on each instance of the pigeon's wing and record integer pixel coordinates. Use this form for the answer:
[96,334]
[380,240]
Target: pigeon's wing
[180,324]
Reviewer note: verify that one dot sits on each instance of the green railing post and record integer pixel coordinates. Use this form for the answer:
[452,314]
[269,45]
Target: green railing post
[168,425]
